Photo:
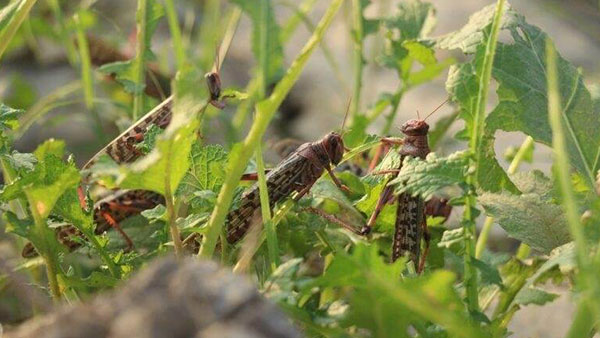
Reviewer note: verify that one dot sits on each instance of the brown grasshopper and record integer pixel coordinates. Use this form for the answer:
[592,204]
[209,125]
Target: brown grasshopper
[123,204]
[296,173]
[411,225]
[108,212]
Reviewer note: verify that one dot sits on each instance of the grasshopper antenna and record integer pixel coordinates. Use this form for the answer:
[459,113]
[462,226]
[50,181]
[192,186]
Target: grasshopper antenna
[346,116]
[436,109]
[418,115]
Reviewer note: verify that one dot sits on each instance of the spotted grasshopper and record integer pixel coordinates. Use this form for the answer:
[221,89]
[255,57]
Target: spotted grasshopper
[410,225]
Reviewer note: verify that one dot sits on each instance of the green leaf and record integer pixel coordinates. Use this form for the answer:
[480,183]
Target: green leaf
[43,185]
[124,73]
[167,163]
[489,274]
[520,69]
[425,177]
[534,182]
[377,296]
[266,20]
[473,34]
[153,14]
[528,218]
[415,19]
[17,226]
[463,85]
[207,170]
[50,146]
[20,161]
[534,296]
[9,117]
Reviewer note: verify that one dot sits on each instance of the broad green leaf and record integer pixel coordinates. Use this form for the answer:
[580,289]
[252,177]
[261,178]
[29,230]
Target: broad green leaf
[168,162]
[534,182]
[520,71]
[377,295]
[425,177]
[414,19]
[265,20]
[50,146]
[463,85]
[473,34]
[55,178]
[535,296]
[43,185]
[207,169]
[528,218]
[387,218]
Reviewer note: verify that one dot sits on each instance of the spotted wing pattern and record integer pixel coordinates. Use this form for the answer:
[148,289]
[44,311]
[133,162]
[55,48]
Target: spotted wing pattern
[121,149]
[120,206]
[292,174]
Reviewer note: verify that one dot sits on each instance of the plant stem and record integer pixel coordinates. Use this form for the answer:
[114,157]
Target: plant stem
[357,39]
[263,58]
[49,256]
[171,212]
[489,221]
[18,17]
[587,279]
[140,61]
[264,113]
[62,32]
[86,79]
[470,273]
[175,33]
[389,120]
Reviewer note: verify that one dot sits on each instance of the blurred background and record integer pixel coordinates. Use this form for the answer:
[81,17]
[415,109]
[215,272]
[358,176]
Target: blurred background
[35,75]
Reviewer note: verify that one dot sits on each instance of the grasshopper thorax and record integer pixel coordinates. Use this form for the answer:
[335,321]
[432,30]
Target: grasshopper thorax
[213,80]
[415,128]
[334,145]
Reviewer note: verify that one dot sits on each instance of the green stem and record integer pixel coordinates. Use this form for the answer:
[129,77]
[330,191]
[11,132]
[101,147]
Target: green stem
[175,33]
[44,235]
[86,78]
[262,181]
[587,279]
[389,120]
[63,32]
[171,212]
[264,113]
[357,39]
[140,61]
[9,31]
[489,221]
[470,273]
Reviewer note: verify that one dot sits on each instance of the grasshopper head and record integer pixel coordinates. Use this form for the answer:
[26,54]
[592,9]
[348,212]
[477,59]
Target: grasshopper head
[213,80]
[415,128]
[334,144]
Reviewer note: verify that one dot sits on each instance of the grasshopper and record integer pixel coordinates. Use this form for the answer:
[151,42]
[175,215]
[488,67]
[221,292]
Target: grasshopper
[122,204]
[108,212]
[411,225]
[296,173]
